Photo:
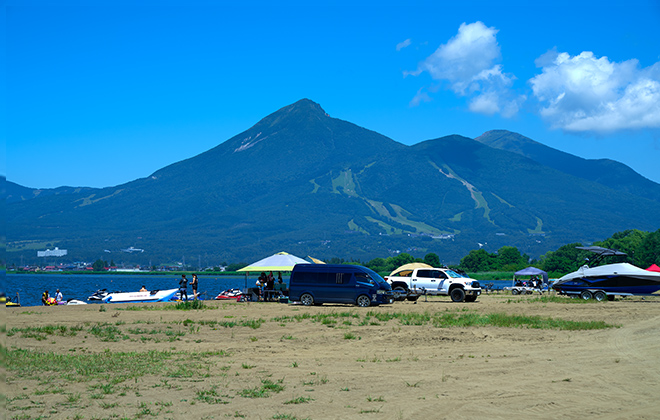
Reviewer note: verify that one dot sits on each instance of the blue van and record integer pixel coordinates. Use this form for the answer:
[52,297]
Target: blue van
[314,284]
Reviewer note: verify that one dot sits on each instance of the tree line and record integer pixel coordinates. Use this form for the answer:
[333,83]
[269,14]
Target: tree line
[642,249]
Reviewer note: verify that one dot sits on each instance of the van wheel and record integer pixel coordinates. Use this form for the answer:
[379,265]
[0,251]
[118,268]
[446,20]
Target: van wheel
[307,299]
[457,295]
[363,301]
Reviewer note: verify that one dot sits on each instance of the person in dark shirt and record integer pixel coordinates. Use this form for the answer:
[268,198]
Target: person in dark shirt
[194,283]
[183,287]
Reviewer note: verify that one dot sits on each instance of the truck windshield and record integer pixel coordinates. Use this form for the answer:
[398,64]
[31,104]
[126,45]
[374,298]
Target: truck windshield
[453,274]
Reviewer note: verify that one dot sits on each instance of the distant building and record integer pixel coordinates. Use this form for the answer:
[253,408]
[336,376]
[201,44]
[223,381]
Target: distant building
[52,253]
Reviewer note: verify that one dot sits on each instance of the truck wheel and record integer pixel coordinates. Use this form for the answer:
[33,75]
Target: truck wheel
[363,301]
[470,298]
[307,299]
[600,296]
[586,295]
[457,295]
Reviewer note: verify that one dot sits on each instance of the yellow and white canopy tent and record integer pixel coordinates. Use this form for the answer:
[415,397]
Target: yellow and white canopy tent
[281,261]
[315,261]
[407,269]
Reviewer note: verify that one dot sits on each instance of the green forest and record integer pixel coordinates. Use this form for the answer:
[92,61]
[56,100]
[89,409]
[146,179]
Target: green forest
[643,249]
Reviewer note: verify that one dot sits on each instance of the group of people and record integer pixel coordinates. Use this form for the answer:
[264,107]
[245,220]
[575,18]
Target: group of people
[266,285]
[183,286]
[47,300]
[534,283]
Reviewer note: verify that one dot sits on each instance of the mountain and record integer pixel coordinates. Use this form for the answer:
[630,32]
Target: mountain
[302,181]
[607,172]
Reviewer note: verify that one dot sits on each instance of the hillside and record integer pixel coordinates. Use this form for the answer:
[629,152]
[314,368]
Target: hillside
[302,181]
[607,172]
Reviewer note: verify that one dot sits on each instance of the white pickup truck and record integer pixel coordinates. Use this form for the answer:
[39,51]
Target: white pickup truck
[433,281]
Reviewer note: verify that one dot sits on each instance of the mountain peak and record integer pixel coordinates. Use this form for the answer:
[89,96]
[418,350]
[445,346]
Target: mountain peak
[304,105]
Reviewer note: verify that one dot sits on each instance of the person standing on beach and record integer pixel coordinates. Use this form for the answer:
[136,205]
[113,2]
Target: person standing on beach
[194,283]
[183,287]
[58,296]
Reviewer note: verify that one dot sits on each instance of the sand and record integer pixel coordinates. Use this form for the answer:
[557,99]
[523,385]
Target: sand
[379,370]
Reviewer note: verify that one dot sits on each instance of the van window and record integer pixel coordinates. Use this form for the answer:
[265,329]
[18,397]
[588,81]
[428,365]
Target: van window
[364,278]
[339,278]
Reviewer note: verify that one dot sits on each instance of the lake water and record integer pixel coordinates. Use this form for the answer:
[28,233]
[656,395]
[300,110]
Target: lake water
[81,286]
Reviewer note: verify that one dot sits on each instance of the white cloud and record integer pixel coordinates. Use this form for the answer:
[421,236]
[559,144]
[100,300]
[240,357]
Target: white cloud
[585,93]
[420,97]
[402,45]
[468,63]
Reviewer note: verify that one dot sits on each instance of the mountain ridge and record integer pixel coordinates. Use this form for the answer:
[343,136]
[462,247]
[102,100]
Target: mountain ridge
[312,184]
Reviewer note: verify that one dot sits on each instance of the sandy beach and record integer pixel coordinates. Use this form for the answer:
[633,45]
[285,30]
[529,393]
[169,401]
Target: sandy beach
[271,360]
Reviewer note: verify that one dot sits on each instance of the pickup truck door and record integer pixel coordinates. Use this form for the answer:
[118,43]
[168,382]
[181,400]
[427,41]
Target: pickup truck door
[425,279]
[444,282]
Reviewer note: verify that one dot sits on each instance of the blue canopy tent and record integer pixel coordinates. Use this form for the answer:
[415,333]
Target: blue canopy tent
[531,271]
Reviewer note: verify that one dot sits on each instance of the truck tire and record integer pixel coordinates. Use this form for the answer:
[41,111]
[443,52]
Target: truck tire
[307,299]
[363,301]
[470,298]
[457,295]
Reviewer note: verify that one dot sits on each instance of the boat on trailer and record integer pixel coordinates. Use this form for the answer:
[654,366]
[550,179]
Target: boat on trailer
[150,296]
[609,280]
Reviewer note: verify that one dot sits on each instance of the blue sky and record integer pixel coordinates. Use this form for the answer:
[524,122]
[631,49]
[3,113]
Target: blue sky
[101,93]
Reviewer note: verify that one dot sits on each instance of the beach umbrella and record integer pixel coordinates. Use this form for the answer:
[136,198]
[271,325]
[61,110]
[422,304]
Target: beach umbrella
[406,269]
[281,261]
[315,261]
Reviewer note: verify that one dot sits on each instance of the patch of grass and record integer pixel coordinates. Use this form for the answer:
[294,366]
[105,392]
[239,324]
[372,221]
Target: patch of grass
[263,391]
[299,400]
[189,305]
[465,318]
[110,367]
[376,410]
[279,416]
[252,323]
[210,396]
[376,399]
[108,332]
[42,333]
[349,336]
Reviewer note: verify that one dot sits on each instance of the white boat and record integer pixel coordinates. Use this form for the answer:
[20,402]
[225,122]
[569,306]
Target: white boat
[150,296]
[75,302]
[609,280]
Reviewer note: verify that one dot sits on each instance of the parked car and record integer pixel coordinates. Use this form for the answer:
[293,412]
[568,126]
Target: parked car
[315,284]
